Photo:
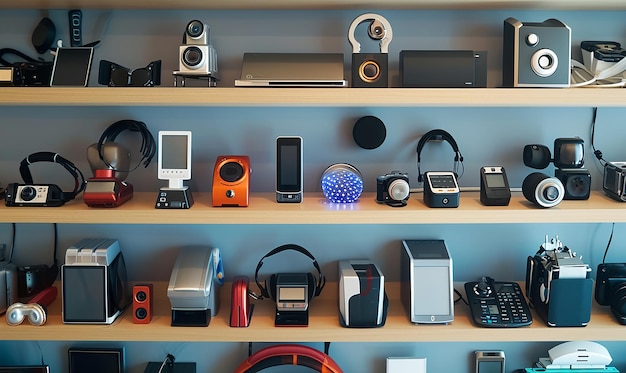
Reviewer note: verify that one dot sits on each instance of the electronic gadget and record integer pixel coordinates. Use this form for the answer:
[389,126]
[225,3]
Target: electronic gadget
[43,195]
[537,156]
[291,292]
[558,285]
[614,180]
[240,306]
[292,70]
[610,288]
[43,35]
[369,132]
[75,17]
[197,56]
[94,282]
[405,364]
[34,310]
[426,287]
[194,286]
[9,292]
[142,303]
[231,181]
[494,186]
[576,182]
[110,163]
[569,152]
[362,299]
[438,135]
[599,56]
[371,69]
[342,183]
[536,54]
[393,188]
[174,165]
[496,304]
[543,190]
[115,75]
[72,66]
[575,355]
[443,69]
[441,189]
[289,354]
[90,359]
[289,169]
[489,361]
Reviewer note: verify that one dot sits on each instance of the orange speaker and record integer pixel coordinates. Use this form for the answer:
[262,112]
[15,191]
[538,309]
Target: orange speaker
[142,303]
[231,180]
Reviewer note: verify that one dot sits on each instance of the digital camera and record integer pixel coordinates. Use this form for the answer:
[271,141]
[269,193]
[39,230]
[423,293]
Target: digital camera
[197,56]
[392,187]
[613,183]
[47,195]
[611,288]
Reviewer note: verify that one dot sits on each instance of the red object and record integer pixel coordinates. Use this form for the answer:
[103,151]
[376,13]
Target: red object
[231,180]
[240,306]
[291,354]
[142,303]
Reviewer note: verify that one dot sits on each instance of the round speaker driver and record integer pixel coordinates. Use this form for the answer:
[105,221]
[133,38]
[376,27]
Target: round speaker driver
[369,132]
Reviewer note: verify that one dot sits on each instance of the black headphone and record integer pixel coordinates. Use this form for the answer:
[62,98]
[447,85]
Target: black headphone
[438,134]
[269,291]
[148,145]
[79,179]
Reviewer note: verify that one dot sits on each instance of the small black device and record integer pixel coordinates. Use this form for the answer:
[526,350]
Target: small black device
[289,169]
[291,291]
[537,156]
[495,304]
[90,359]
[75,17]
[115,75]
[494,186]
[614,180]
[28,71]
[489,361]
[443,68]
[393,188]
[441,189]
[576,182]
[43,195]
[611,288]
[369,132]
[72,66]
[569,152]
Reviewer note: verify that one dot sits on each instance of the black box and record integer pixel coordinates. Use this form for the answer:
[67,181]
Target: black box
[443,69]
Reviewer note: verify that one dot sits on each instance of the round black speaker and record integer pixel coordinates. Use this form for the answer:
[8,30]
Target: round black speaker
[543,190]
[537,156]
[369,132]
[231,172]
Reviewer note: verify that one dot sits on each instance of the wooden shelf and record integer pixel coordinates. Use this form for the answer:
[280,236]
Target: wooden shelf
[323,326]
[312,97]
[314,4]
[316,210]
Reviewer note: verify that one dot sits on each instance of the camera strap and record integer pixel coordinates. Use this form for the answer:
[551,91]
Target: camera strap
[79,179]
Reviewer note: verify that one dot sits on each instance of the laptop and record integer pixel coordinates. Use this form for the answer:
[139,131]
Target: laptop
[292,70]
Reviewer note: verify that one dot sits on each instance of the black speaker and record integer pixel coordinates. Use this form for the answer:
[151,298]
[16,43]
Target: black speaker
[576,181]
[543,190]
[369,132]
[537,156]
[370,70]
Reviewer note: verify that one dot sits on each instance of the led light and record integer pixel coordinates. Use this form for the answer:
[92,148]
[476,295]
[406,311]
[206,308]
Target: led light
[342,183]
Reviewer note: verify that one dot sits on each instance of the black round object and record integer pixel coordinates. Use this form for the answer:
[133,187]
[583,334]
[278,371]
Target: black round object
[369,132]
[231,172]
[537,156]
[192,56]
[44,35]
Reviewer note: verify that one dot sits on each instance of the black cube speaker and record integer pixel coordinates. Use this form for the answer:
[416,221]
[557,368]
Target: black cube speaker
[536,54]
[96,360]
[370,70]
[576,181]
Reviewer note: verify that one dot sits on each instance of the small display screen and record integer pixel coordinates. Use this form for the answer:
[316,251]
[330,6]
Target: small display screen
[174,150]
[84,293]
[71,66]
[490,367]
[286,294]
[442,181]
[288,167]
[495,180]
[432,283]
[493,309]
[570,155]
[100,187]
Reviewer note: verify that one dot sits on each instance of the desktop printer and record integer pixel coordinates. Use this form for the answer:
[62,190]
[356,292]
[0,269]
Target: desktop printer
[192,290]
[362,298]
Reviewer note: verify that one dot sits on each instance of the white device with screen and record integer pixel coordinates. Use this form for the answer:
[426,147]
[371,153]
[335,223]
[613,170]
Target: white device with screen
[174,157]
[489,361]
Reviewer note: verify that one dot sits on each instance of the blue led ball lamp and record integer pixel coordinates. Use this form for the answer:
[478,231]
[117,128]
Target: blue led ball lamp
[342,183]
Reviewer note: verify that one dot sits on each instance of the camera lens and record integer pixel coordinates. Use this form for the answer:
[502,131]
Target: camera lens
[231,172]
[28,193]
[192,56]
[195,29]
[141,296]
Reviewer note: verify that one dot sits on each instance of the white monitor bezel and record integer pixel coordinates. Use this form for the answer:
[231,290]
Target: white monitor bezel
[181,174]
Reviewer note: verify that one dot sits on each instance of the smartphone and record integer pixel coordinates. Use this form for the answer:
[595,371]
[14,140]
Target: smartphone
[489,361]
[289,169]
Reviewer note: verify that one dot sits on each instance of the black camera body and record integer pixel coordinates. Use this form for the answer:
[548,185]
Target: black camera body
[611,288]
[614,180]
[46,195]
[393,186]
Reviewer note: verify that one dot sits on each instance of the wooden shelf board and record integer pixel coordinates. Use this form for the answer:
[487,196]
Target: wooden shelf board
[311,97]
[310,4]
[316,210]
[323,326]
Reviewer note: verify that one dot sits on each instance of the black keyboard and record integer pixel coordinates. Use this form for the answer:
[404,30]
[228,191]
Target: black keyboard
[497,304]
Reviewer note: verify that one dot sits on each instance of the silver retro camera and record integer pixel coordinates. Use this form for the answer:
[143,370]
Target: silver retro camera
[392,188]
[197,56]
[613,183]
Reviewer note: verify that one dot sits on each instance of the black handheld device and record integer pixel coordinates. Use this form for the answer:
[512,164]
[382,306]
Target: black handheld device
[289,169]
[496,304]
[494,186]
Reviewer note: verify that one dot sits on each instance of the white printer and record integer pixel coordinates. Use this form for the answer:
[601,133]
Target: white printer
[362,299]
